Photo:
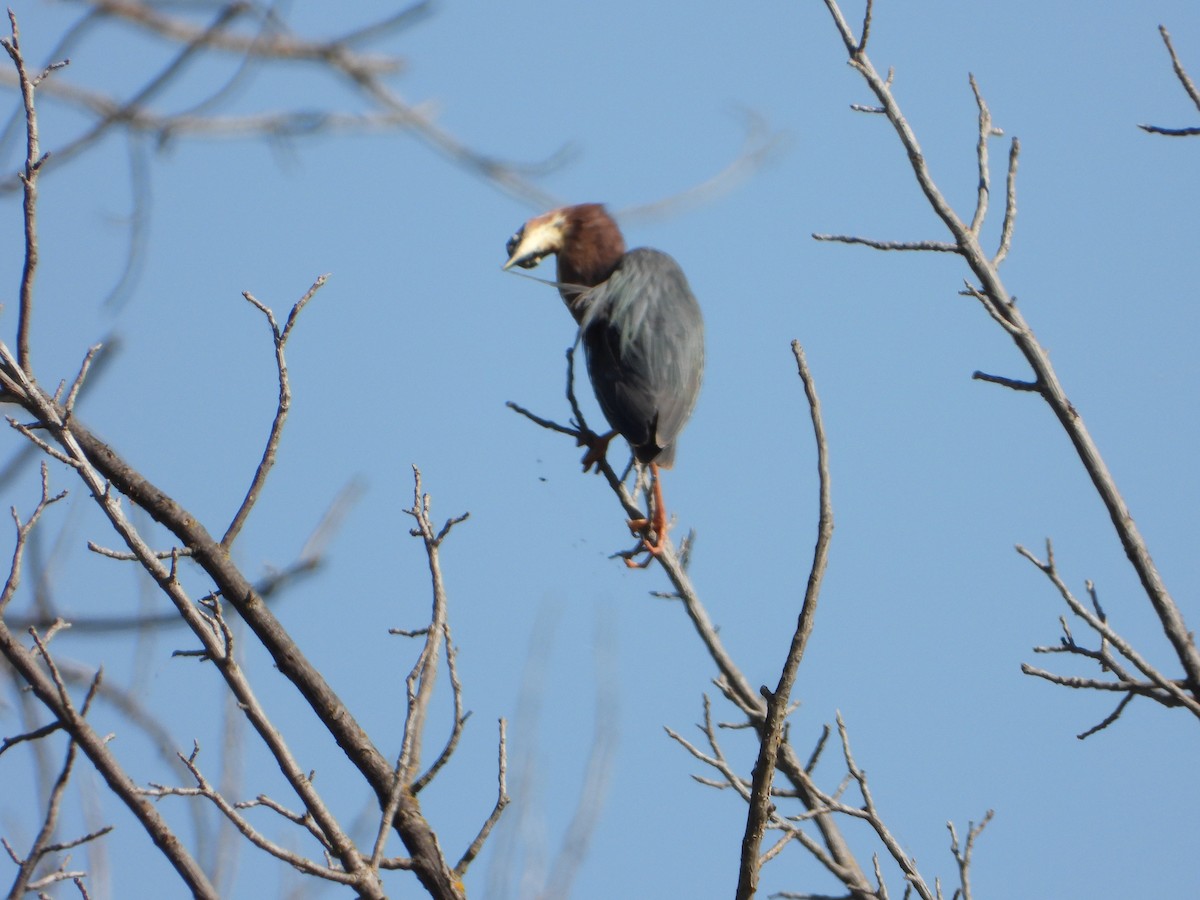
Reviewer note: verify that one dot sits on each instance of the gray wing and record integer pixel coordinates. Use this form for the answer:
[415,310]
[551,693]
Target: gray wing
[644,338]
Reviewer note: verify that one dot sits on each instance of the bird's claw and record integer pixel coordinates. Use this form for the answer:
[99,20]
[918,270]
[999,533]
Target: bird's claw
[644,528]
[631,556]
[655,523]
[597,448]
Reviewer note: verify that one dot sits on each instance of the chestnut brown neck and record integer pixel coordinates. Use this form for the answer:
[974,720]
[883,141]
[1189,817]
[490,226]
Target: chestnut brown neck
[592,248]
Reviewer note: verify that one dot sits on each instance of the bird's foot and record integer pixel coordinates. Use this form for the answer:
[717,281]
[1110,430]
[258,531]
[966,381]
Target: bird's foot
[631,556]
[651,550]
[645,528]
[654,526]
[597,445]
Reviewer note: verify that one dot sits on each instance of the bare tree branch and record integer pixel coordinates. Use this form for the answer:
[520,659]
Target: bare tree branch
[1015,384]
[934,246]
[995,298]
[1179,694]
[28,178]
[962,854]
[281,411]
[364,882]
[502,801]
[1010,204]
[771,733]
[1188,85]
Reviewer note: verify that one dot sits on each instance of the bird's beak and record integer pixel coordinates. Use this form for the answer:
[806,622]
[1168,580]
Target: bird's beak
[513,245]
[534,241]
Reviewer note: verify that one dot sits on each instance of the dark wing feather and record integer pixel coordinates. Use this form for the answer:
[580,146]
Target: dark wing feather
[644,338]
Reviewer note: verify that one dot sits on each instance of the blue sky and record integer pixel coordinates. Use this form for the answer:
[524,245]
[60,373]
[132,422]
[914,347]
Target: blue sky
[409,353]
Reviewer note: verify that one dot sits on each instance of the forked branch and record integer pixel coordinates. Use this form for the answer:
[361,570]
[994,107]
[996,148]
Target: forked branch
[280,338]
[992,294]
[27,83]
[1188,85]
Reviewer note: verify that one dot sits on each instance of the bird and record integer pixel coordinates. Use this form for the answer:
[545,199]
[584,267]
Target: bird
[642,333]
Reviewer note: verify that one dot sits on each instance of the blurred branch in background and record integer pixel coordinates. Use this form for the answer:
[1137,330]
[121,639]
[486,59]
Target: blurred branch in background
[251,40]
[31,868]
[38,670]
[271,587]
[522,864]
[759,146]
[253,37]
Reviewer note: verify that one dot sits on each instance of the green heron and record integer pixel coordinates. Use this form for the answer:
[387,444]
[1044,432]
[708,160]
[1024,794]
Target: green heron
[641,330]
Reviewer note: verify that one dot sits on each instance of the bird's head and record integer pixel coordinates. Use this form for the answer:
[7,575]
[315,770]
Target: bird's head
[538,238]
[585,238]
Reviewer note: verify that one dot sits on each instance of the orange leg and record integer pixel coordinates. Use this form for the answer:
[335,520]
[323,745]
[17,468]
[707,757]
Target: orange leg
[656,525]
[597,445]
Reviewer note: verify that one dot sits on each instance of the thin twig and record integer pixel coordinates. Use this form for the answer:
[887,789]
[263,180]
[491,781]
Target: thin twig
[870,813]
[1107,720]
[984,189]
[281,410]
[362,879]
[24,530]
[1181,693]
[77,384]
[962,854]
[1010,204]
[460,717]
[29,175]
[502,801]
[1015,384]
[932,246]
